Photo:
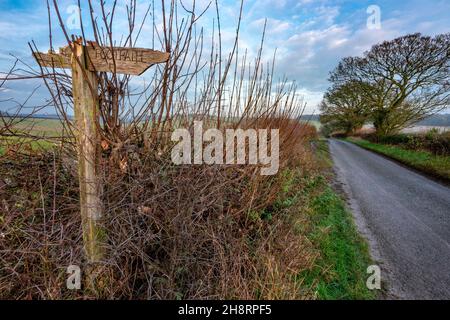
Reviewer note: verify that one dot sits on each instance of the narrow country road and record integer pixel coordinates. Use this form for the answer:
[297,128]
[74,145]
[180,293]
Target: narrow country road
[404,215]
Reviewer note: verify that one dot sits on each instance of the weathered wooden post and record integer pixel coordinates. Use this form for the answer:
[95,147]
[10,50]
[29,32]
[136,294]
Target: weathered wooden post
[86,108]
[85,61]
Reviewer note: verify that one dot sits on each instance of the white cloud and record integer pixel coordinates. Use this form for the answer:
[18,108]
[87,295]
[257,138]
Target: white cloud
[274,26]
[310,36]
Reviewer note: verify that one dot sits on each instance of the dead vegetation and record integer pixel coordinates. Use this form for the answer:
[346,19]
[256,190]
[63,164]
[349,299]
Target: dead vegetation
[172,232]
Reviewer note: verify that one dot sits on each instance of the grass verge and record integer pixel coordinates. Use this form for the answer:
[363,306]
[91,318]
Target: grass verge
[339,270]
[437,166]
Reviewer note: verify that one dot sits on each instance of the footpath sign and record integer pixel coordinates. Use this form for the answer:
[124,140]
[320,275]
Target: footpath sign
[85,62]
[133,61]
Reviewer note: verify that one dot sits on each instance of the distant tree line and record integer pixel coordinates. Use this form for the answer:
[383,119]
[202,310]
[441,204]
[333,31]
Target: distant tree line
[393,85]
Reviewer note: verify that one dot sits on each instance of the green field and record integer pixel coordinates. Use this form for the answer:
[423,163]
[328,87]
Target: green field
[316,124]
[46,129]
[41,130]
[38,127]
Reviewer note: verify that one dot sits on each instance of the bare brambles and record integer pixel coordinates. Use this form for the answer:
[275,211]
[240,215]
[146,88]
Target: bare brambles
[188,231]
[191,232]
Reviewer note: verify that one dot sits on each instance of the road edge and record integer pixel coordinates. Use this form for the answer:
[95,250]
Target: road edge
[390,290]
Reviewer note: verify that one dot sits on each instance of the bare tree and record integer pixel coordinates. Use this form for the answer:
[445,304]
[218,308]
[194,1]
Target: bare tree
[408,79]
[344,107]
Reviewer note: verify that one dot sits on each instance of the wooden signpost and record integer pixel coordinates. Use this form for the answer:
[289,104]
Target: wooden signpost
[133,61]
[85,61]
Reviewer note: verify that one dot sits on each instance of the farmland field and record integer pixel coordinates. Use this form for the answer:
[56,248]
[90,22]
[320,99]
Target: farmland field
[39,127]
[33,134]
[424,129]
[53,128]
[314,123]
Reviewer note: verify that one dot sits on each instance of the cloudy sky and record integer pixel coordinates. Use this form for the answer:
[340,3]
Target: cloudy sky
[310,36]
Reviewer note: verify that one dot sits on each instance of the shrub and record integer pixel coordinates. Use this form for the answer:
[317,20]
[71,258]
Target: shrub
[172,232]
[433,141]
[395,139]
[438,144]
[432,134]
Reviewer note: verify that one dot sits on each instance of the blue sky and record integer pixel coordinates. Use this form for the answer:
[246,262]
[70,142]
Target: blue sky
[310,36]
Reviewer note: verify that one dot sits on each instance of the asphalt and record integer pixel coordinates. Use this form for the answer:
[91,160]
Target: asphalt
[404,215]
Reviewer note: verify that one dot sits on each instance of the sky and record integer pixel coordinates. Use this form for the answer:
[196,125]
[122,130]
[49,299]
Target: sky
[310,36]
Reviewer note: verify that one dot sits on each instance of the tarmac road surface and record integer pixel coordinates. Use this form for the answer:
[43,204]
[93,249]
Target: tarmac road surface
[404,215]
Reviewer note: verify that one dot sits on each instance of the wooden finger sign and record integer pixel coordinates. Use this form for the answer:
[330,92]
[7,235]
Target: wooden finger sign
[133,61]
[52,60]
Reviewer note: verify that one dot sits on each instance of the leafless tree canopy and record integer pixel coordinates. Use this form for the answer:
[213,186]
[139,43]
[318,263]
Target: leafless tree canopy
[408,79]
[344,107]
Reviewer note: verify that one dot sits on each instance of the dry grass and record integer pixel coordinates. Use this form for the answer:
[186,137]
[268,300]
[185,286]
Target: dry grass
[191,232]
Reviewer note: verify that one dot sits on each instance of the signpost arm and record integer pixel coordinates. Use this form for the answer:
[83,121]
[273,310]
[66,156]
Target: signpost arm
[86,109]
